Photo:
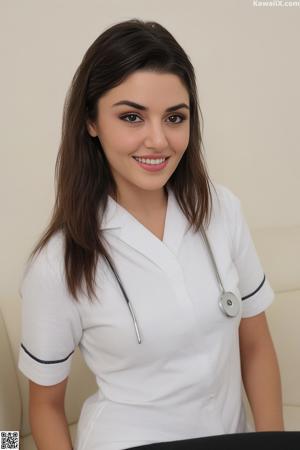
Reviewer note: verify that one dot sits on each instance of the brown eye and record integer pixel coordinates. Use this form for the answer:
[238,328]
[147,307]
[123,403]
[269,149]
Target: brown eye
[180,117]
[129,115]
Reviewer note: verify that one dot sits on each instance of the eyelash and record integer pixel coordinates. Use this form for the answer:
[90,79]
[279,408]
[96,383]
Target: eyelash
[182,117]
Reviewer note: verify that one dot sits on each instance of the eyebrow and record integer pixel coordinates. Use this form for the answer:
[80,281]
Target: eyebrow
[144,108]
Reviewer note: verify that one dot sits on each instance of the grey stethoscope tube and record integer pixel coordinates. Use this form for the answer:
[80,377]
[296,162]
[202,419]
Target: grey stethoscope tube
[128,303]
[228,302]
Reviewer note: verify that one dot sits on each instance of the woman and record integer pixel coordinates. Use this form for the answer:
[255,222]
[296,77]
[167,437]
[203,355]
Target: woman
[125,269]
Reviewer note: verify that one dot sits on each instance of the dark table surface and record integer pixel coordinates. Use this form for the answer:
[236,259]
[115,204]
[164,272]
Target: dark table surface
[273,440]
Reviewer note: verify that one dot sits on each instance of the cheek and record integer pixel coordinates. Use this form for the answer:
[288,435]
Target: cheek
[117,139]
[179,141]
[123,141]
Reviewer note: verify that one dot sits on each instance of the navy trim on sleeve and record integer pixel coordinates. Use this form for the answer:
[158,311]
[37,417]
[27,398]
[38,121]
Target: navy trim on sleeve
[46,362]
[254,292]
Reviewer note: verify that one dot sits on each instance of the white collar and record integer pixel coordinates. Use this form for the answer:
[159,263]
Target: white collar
[136,235]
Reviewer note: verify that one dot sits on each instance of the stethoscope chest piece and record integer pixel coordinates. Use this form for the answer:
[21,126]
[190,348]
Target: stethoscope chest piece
[229,304]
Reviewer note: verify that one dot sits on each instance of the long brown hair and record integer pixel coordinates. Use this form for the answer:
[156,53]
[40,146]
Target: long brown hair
[82,173]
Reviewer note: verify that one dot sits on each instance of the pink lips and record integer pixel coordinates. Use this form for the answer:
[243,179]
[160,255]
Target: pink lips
[152,167]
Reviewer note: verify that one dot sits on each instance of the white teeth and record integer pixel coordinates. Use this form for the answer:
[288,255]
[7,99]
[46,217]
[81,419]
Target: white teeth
[150,161]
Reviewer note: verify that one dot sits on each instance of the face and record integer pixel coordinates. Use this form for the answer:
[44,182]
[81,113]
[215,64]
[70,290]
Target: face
[147,129]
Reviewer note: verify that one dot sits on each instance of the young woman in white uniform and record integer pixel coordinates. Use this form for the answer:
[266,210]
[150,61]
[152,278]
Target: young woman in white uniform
[165,301]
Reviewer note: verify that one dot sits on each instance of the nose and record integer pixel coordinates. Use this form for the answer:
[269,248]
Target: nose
[156,136]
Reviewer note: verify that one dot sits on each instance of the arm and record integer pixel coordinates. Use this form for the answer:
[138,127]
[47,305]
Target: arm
[260,373]
[48,422]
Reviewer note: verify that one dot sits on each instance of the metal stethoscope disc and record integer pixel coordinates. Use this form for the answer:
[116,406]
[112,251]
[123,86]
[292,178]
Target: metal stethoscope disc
[229,304]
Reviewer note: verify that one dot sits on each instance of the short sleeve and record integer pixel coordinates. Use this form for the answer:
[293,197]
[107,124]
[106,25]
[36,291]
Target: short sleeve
[50,322]
[255,289]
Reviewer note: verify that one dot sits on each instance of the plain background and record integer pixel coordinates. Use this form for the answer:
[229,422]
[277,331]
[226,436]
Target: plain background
[246,59]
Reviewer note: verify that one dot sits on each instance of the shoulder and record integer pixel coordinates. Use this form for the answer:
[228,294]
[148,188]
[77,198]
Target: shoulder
[225,195]
[225,202]
[47,265]
[227,214]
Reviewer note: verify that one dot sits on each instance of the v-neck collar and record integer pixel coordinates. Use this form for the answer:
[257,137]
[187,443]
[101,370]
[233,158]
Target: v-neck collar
[137,236]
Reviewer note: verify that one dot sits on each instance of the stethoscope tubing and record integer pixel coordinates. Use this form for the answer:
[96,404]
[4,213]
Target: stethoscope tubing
[137,331]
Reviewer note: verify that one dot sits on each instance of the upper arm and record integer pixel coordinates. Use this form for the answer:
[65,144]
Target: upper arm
[50,395]
[254,287]
[50,323]
[253,332]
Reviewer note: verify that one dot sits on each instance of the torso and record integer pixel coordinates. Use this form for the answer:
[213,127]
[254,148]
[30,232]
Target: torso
[184,380]
[174,293]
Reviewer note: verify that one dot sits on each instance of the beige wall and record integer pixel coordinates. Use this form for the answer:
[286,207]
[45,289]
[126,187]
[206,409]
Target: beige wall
[247,63]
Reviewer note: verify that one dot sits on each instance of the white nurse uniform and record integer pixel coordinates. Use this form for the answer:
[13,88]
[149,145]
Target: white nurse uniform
[184,380]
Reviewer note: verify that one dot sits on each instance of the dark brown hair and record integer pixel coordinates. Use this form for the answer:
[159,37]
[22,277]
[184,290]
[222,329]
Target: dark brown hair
[82,173]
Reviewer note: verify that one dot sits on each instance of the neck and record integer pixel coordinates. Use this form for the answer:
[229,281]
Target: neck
[143,202]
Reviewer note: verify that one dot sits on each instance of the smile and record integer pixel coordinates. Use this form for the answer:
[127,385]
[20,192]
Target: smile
[149,161]
[151,164]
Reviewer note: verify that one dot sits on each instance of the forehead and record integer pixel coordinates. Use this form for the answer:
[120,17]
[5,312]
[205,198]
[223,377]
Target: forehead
[152,89]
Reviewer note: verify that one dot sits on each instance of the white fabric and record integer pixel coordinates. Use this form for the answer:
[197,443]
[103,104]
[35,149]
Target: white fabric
[183,381]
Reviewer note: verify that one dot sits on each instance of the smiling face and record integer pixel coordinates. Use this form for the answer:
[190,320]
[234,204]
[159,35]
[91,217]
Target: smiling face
[149,126]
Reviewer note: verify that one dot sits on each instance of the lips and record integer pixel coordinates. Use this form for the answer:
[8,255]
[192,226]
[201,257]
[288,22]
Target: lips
[152,157]
[152,167]
[143,157]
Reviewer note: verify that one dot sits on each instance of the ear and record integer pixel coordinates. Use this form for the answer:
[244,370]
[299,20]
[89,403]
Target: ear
[91,128]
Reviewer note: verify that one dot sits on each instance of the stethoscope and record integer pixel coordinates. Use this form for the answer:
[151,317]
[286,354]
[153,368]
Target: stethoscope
[228,301]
